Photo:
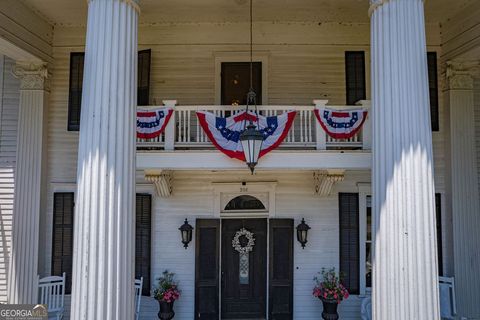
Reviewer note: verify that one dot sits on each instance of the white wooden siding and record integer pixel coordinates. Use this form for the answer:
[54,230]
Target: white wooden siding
[477,126]
[9,100]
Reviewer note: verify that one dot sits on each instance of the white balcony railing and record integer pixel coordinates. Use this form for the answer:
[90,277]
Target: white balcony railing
[184,131]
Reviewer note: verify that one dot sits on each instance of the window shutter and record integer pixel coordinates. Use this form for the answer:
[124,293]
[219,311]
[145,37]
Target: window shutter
[75,90]
[143,92]
[349,241]
[143,234]
[355,76]
[207,248]
[62,242]
[433,88]
[438,211]
[281,269]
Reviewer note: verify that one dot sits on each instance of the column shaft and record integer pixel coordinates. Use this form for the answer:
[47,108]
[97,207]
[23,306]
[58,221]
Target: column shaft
[103,270]
[463,188]
[405,274]
[23,264]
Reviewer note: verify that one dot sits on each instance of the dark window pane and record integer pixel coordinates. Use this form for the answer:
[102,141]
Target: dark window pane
[355,76]
[438,209]
[433,88]
[75,90]
[143,93]
[62,242]
[244,202]
[143,233]
[349,241]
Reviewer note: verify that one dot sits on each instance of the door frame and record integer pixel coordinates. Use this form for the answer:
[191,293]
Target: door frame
[240,56]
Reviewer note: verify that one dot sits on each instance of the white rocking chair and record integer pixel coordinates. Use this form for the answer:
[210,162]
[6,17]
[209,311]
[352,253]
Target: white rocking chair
[52,293]
[448,306]
[138,296]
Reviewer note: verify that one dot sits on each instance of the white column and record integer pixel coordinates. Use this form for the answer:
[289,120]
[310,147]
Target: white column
[462,186]
[23,264]
[405,274]
[104,234]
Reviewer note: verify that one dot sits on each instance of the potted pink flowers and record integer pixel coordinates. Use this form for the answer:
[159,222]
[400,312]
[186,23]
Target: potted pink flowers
[166,293]
[331,291]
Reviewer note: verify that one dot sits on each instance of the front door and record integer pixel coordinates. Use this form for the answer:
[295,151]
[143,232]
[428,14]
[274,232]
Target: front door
[236,82]
[244,268]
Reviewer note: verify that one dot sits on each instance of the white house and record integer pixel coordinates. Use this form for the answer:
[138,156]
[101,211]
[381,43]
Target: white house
[393,207]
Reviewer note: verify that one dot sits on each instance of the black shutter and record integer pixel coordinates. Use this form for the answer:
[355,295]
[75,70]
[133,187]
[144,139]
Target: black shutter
[143,92]
[433,88]
[438,211]
[143,234]
[62,242]
[281,269]
[75,90]
[207,248]
[355,76]
[349,241]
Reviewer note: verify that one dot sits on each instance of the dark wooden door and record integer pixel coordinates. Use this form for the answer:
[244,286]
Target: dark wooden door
[244,297]
[207,237]
[281,269]
[236,82]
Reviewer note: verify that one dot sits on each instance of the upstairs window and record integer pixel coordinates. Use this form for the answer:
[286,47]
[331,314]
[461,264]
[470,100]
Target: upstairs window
[76,81]
[355,76]
[75,90]
[433,89]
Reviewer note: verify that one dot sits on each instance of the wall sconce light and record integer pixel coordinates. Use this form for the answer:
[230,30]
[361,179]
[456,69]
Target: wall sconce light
[302,232]
[186,231]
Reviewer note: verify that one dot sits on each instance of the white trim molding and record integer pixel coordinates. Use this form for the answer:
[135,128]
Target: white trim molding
[325,180]
[134,3]
[262,190]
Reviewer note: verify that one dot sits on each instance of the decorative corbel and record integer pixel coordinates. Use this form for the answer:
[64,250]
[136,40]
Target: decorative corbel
[460,74]
[162,182]
[325,180]
[32,75]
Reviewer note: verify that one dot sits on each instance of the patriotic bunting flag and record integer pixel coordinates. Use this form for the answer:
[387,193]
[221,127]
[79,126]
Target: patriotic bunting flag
[224,133]
[341,124]
[151,123]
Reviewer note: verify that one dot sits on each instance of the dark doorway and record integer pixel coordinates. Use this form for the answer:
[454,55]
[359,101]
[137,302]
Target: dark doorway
[236,82]
[244,284]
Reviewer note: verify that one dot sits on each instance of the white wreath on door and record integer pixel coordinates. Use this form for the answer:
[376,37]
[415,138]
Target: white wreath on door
[236,241]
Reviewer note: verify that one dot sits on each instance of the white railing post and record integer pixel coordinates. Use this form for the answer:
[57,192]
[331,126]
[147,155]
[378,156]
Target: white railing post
[367,125]
[321,136]
[170,128]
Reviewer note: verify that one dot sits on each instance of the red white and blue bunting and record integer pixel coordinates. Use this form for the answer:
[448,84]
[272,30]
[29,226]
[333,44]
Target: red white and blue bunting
[151,123]
[224,133]
[340,124]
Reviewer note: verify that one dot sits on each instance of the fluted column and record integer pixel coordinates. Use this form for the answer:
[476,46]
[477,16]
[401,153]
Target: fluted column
[104,234]
[462,184]
[405,276]
[23,262]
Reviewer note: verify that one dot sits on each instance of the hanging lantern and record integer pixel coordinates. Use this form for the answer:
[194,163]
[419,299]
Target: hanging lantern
[302,232]
[251,140]
[186,231]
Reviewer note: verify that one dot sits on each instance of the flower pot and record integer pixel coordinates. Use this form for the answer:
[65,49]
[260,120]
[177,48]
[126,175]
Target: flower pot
[166,310]
[329,309]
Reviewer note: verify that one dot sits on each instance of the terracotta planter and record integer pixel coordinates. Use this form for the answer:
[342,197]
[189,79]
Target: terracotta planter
[166,310]
[329,309]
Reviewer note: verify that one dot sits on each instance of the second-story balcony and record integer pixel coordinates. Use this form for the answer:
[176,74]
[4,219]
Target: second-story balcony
[184,144]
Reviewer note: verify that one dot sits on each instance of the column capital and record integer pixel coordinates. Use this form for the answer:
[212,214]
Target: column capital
[134,3]
[32,75]
[374,4]
[460,74]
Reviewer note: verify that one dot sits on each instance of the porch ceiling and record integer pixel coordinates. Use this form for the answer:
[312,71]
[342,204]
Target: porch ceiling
[73,12]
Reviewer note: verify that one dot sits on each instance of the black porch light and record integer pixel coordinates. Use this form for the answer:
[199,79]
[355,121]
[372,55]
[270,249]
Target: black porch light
[302,232]
[251,137]
[186,231]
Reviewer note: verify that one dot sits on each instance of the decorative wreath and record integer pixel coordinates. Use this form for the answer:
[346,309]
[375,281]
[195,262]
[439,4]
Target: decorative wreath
[236,241]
